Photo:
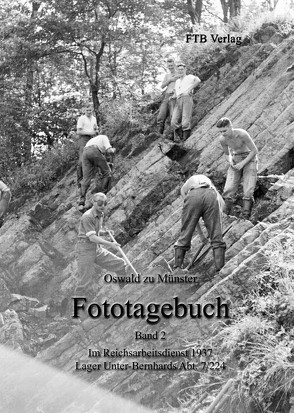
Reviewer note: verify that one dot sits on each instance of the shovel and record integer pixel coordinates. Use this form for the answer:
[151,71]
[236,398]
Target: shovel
[197,257]
[123,254]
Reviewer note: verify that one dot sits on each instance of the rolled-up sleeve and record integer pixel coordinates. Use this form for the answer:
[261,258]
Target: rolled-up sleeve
[88,225]
[106,143]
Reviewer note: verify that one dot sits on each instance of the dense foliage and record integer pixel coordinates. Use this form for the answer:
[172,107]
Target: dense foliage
[55,55]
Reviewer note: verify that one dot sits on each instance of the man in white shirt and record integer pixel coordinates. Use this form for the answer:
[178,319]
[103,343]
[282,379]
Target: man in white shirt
[201,199]
[98,152]
[5,196]
[182,113]
[168,102]
[86,129]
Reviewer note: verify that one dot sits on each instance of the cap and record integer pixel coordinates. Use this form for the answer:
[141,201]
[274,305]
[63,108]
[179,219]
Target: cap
[181,64]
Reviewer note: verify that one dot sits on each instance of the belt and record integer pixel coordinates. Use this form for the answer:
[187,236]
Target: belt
[199,187]
[93,146]
[241,153]
[183,96]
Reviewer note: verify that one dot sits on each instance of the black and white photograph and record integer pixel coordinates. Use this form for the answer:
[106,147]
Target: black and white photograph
[147,206]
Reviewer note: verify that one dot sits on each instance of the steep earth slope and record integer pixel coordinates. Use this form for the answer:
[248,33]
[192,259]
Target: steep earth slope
[37,258]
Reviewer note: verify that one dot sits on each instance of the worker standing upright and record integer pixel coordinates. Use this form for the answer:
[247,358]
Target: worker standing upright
[182,114]
[86,129]
[241,153]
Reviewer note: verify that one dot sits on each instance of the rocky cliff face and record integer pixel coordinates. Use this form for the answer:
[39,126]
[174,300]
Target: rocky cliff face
[37,250]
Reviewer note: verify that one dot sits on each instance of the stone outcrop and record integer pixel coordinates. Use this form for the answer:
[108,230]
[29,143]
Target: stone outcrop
[37,250]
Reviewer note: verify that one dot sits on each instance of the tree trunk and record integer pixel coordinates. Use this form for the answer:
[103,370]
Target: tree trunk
[235,8]
[96,103]
[191,11]
[195,12]
[198,10]
[30,71]
[224,5]
[231,7]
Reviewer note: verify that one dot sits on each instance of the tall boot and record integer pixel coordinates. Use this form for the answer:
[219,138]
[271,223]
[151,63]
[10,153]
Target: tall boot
[219,258]
[160,128]
[247,207]
[82,199]
[179,257]
[81,206]
[228,206]
[105,184]
[186,134]
[79,175]
[178,134]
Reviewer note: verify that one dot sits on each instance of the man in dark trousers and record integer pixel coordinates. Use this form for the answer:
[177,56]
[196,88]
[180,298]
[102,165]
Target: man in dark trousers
[86,129]
[91,246]
[241,153]
[5,196]
[97,153]
[201,199]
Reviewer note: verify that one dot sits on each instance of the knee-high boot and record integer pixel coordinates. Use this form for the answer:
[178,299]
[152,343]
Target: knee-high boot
[179,257]
[186,134]
[247,207]
[219,258]
[105,184]
[228,206]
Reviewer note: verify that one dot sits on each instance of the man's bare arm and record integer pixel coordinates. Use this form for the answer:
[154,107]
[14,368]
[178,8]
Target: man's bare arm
[226,150]
[99,240]
[167,80]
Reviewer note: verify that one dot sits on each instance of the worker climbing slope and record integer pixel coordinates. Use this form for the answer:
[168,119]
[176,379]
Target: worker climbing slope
[201,199]
[98,152]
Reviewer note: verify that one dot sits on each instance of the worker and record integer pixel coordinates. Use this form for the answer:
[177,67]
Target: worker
[98,152]
[182,113]
[91,246]
[241,153]
[86,129]
[201,199]
[168,102]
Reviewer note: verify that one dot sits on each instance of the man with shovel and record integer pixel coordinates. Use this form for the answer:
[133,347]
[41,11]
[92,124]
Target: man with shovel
[201,199]
[91,245]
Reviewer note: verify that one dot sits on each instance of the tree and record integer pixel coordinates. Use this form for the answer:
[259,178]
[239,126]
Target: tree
[195,10]
[231,8]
